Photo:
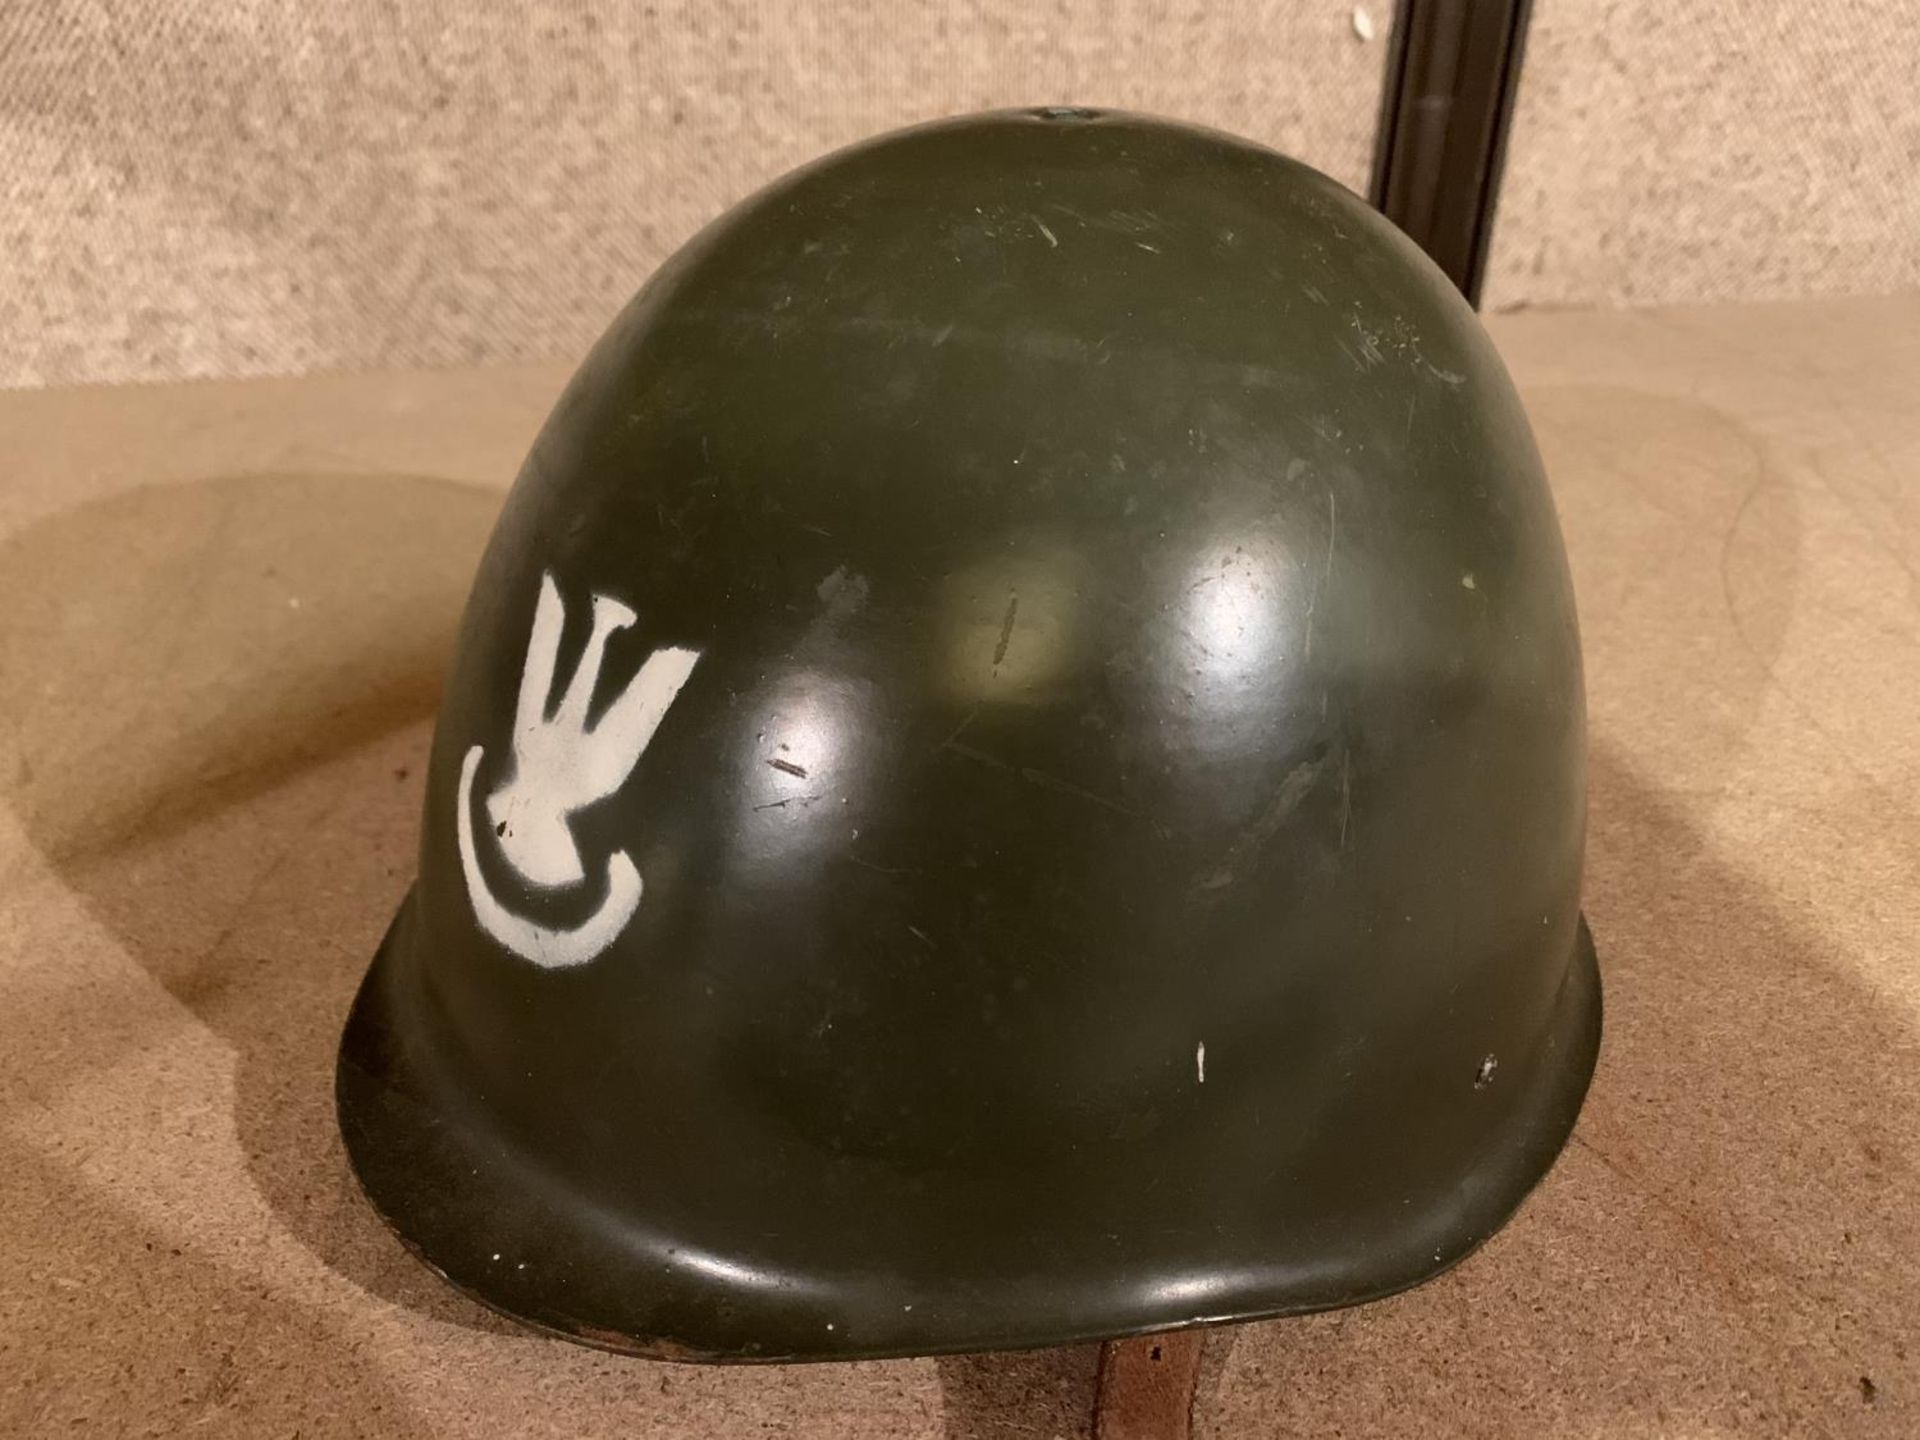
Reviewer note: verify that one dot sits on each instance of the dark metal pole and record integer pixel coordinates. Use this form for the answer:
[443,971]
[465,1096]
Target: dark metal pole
[1445,110]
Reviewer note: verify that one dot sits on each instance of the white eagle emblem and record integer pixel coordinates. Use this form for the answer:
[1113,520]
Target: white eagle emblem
[560,765]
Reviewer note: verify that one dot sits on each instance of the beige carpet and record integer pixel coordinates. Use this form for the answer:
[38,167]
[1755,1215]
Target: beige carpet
[224,614]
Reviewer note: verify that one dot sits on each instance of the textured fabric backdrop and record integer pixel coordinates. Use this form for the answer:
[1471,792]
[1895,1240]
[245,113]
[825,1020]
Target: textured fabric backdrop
[1727,150]
[235,187]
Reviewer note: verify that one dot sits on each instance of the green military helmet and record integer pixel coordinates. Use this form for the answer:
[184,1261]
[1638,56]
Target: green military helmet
[1014,773]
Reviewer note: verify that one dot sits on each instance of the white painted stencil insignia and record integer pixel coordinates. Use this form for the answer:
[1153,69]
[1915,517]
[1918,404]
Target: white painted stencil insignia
[560,766]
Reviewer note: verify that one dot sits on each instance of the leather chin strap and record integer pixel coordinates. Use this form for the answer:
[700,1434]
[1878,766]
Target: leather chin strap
[1146,1387]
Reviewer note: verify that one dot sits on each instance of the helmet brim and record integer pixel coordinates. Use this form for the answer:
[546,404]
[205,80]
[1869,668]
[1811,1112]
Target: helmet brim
[483,1215]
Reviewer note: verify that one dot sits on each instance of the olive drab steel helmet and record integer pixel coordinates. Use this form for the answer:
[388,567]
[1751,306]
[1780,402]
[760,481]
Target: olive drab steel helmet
[1014,773]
